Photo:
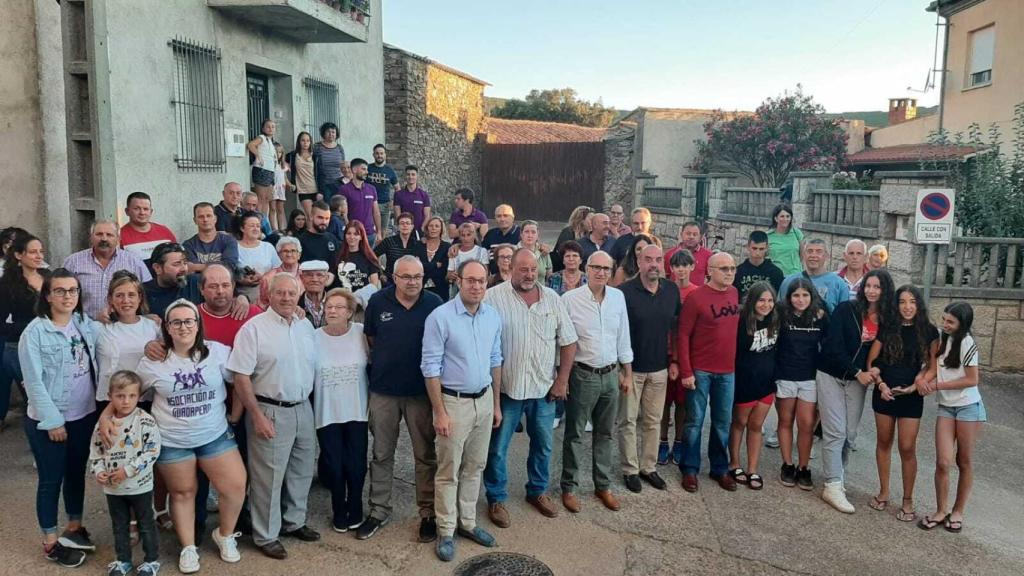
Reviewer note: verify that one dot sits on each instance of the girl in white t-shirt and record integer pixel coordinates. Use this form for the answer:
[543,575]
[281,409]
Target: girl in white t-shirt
[953,376]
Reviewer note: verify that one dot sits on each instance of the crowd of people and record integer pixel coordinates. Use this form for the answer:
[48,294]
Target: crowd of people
[225,372]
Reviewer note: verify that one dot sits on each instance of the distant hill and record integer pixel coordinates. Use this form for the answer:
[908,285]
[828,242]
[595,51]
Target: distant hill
[879,118]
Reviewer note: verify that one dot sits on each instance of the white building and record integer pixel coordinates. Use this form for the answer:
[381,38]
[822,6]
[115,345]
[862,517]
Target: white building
[107,97]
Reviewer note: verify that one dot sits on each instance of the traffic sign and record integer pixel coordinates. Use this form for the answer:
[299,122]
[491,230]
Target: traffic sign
[933,222]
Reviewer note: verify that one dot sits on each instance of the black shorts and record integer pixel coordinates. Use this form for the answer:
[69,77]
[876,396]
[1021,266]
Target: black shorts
[261,177]
[310,197]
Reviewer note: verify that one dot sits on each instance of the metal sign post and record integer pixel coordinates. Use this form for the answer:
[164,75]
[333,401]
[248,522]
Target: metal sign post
[933,224]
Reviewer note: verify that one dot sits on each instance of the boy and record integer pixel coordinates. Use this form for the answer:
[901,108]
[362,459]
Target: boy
[757,267]
[125,470]
[682,264]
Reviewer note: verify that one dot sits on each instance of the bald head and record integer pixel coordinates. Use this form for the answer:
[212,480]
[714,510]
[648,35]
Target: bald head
[721,271]
[650,263]
[524,270]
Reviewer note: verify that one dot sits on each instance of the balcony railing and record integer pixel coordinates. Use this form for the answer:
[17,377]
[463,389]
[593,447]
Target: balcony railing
[305,21]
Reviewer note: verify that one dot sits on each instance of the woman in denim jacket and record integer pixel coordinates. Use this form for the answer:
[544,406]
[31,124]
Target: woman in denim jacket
[58,360]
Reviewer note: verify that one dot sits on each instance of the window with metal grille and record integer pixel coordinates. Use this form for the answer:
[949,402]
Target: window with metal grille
[199,106]
[321,104]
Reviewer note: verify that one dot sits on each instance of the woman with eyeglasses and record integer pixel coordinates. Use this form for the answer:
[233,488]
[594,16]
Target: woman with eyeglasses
[189,408]
[23,274]
[503,254]
[58,359]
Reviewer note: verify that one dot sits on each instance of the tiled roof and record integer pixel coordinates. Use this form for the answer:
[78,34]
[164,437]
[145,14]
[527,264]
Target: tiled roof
[502,131]
[904,153]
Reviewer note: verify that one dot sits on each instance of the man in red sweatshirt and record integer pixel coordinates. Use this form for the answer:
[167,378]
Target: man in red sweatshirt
[707,362]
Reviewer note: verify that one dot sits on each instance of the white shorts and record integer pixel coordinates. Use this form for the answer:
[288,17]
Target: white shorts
[279,193]
[805,390]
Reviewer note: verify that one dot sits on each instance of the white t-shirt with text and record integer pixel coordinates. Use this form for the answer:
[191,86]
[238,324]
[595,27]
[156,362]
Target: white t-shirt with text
[341,386]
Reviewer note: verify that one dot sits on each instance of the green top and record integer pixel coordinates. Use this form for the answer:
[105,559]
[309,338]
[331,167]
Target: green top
[784,250]
[544,267]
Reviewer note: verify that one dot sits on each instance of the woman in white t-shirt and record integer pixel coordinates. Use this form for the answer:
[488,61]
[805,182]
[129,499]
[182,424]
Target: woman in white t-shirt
[464,250]
[121,343]
[953,376]
[189,409]
[255,257]
[340,397]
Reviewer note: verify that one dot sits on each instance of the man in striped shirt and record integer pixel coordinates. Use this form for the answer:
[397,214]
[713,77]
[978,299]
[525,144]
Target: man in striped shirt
[534,322]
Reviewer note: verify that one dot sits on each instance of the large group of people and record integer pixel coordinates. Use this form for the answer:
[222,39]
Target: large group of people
[233,368]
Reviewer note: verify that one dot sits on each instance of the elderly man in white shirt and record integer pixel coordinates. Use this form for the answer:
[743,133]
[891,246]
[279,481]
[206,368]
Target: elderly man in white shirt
[274,365]
[603,368]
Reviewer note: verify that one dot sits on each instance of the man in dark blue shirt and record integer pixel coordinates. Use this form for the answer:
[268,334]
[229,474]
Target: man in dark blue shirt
[393,325]
[385,180]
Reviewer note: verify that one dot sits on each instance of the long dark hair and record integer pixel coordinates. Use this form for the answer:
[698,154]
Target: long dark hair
[292,230]
[892,340]
[629,263]
[43,305]
[298,144]
[748,314]
[784,207]
[198,352]
[364,244]
[13,284]
[964,314]
[815,310]
[887,314]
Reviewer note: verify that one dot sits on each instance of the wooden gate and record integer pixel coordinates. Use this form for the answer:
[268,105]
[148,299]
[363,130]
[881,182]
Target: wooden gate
[543,181]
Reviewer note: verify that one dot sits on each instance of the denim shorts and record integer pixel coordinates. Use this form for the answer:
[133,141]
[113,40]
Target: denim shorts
[970,413]
[261,177]
[212,449]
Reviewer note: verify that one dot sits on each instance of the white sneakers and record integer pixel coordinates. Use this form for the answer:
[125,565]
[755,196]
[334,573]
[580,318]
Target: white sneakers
[188,560]
[227,545]
[835,495]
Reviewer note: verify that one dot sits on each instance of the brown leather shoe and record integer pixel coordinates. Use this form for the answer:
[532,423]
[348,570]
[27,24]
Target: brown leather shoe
[726,481]
[543,504]
[571,502]
[499,515]
[690,482]
[608,499]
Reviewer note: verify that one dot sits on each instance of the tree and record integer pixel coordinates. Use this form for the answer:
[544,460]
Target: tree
[559,105]
[784,134]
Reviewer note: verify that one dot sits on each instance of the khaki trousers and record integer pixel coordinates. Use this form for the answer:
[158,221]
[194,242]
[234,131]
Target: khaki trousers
[642,408]
[385,415]
[461,458]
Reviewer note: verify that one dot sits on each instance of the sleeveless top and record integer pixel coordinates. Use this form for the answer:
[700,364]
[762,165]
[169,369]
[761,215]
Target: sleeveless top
[267,155]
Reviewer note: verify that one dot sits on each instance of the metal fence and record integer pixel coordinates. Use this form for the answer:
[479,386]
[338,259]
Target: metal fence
[850,208]
[979,267]
[321,104]
[198,101]
[663,199]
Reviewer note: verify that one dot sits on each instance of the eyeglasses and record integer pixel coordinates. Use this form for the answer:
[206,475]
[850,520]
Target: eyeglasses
[62,292]
[183,323]
[410,277]
[726,269]
[505,257]
[333,307]
[602,269]
[473,281]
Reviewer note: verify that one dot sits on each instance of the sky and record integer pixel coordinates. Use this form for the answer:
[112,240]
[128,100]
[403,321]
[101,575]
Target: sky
[851,55]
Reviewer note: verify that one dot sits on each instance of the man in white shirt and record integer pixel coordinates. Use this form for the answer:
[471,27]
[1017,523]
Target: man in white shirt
[533,318]
[603,368]
[274,364]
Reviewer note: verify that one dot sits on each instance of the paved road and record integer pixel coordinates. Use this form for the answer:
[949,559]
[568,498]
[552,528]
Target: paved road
[776,531]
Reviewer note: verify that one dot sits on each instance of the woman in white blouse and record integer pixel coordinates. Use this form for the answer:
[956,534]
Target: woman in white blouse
[340,396]
[121,343]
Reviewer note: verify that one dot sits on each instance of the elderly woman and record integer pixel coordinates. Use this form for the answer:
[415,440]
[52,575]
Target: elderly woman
[878,256]
[289,250]
[58,360]
[503,254]
[255,257]
[572,275]
[576,228]
[340,397]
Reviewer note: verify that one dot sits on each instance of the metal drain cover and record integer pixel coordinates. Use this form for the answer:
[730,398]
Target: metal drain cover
[503,564]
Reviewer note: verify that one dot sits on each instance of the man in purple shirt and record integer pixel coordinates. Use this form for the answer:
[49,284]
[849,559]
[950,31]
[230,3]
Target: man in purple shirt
[412,199]
[466,212]
[95,266]
[361,201]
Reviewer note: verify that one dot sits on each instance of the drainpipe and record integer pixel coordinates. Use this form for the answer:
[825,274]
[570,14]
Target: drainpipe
[945,55]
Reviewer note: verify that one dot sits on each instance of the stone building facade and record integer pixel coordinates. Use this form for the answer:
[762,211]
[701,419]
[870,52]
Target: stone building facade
[433,116]
[619,179]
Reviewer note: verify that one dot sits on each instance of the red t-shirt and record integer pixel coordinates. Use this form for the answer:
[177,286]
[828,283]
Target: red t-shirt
[142,243]
[684,292]
[707,331]
[223,329]
[700,264]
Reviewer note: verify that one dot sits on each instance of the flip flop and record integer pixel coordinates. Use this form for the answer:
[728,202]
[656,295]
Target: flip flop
[954,526]
[904,516]
[927,523]
[877,504]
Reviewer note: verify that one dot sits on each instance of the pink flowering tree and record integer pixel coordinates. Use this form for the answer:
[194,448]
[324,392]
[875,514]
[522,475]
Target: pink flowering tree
[784,134]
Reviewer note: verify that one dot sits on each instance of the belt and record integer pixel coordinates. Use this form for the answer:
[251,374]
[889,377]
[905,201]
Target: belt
[592,370]
[470,395]
[273,402]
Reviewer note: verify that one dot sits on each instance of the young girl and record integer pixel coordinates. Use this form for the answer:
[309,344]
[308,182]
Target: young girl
[804,324]
[755,382]
[281,170]
[954,376]
[357,264]
[902,355]
[682,264]
[467,250]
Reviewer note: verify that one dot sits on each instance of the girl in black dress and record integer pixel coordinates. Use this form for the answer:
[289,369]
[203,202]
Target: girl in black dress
[901,353]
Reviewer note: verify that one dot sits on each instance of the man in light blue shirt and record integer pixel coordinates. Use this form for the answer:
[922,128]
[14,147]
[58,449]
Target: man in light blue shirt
[831,288]
[462,366]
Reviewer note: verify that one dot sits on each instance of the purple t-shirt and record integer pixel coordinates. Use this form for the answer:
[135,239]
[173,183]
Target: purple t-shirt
[413,202]
[458,218]
[360,204]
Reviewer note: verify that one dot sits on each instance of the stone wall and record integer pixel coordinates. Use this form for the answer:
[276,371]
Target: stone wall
[433,116]
[619,181]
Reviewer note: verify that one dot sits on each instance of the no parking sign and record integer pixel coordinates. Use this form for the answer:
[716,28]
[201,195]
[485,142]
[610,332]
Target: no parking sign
[934,218]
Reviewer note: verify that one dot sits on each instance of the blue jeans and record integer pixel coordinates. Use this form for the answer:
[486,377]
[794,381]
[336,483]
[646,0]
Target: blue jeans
[10,371]
[720,388]
[61,467]
[540,415]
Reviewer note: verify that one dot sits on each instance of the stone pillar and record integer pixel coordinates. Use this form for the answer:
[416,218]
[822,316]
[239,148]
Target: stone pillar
[804,183]
[897,199]
[717,183]
[688,204]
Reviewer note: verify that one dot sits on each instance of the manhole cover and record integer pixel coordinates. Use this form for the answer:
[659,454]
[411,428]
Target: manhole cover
[503,564]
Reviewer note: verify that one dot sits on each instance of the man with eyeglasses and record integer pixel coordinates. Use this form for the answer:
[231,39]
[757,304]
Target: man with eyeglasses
[95,266]
[616,226]
[535,326]
[640,223]
[462,366]
[707,363]
[601,371]
[393,324]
